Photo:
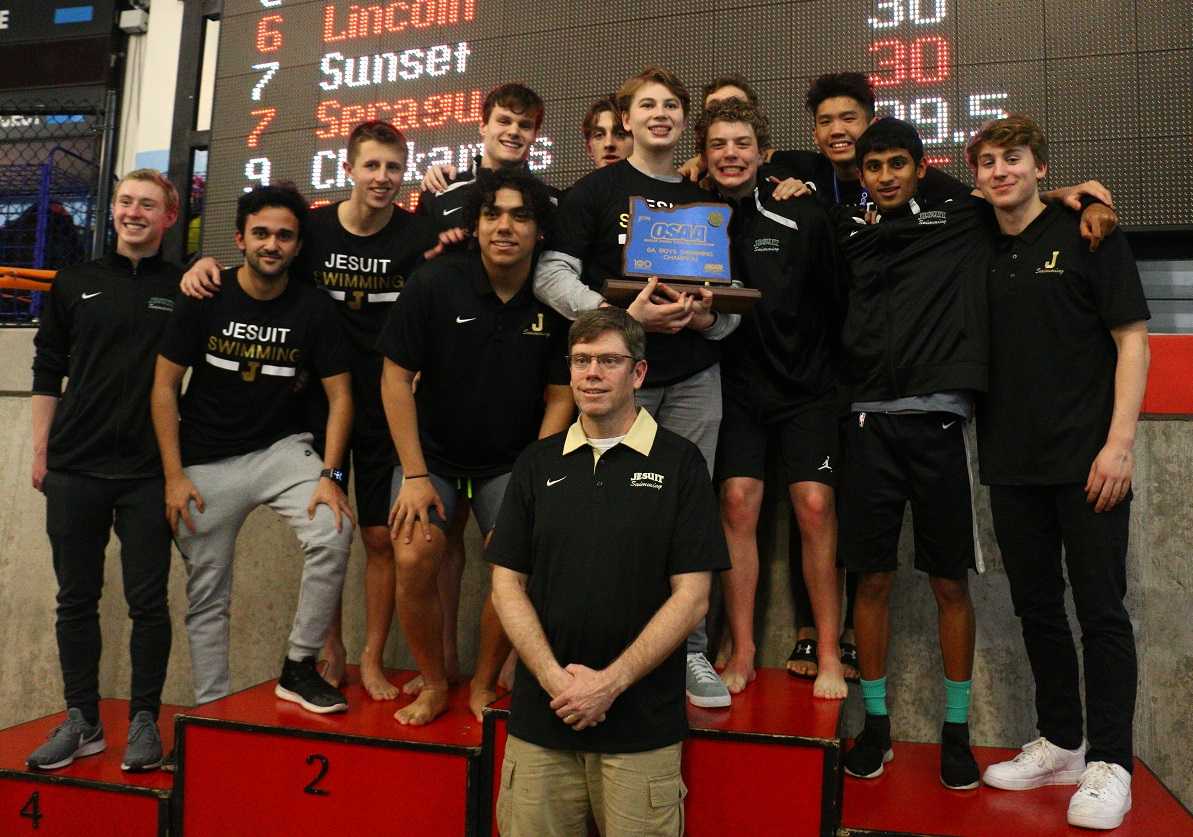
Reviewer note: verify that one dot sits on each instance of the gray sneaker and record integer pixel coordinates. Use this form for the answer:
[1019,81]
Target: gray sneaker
[70,740]
[144,750]
[704,685]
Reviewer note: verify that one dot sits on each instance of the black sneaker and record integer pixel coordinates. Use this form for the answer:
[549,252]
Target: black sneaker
[871,749]
[958,767]
[301,683]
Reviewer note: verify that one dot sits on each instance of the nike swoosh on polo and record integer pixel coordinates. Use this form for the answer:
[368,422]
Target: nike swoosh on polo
[92,296]
[948,425]
[462,320]
[453,209]
[551,482]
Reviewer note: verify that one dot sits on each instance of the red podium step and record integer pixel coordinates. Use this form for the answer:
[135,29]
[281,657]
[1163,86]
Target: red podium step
[93,796]
[769,764]
[254,765]
[908,799]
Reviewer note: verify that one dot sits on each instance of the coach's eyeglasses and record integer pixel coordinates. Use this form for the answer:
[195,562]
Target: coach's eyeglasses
[607,362]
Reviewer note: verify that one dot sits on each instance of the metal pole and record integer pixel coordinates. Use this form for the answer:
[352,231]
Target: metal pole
[103,192]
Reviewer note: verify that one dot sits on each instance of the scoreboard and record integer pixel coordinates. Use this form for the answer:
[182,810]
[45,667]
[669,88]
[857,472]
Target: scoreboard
[1110,81]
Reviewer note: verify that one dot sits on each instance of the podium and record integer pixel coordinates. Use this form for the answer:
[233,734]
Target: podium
[252,764]
[92,796]
[908,799]
[769,764]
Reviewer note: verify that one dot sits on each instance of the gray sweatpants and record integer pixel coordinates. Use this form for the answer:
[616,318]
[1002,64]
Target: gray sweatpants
[282,476]
[691,408]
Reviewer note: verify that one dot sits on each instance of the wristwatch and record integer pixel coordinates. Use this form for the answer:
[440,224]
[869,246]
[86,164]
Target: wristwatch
[335,475]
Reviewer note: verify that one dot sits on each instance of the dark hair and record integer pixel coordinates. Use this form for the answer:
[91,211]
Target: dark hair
[731,80]
[376,131]
[605,104]
[1009,132]
[516,97]
[733,110]
[889,134]
[854,85]
[653,75]
[489,181]
[592,324]
[282,195]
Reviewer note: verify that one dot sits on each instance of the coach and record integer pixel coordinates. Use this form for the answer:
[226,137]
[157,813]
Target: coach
[604,550]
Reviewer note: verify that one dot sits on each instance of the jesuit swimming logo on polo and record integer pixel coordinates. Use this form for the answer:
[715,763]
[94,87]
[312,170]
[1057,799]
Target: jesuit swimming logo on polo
[252,349]
[537,327]
[356,280]
[1052,265]
[646,479]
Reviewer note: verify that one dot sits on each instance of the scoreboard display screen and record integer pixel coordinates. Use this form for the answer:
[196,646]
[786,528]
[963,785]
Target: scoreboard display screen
[1110,82]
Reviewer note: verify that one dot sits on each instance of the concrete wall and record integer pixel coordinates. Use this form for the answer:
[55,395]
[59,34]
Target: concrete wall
[269,564]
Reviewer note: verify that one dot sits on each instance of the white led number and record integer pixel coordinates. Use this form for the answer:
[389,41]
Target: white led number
[893,9]
[932,112]
[890,107]
[892,13]
[981,106]
[270,68]
[926,12]
[271,4]
[258,169]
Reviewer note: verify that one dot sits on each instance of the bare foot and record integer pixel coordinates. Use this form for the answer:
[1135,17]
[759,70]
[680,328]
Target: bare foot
[331,667]
[479,697]
[375,681]
[505,679]
[429,705]
[415,684]
[830,682]
[725,654]
[739,673]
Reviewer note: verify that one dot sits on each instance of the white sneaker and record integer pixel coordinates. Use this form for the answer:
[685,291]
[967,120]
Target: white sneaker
[704,686]
[1104,797]
[1039,763]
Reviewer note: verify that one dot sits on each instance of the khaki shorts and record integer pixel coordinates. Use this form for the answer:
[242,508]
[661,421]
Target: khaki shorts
[549,793]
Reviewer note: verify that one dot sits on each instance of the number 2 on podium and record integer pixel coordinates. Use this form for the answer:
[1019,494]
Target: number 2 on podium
[313,785]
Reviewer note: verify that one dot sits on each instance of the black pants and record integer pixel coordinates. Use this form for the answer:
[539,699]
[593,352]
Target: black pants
[80,513]
[1032,524]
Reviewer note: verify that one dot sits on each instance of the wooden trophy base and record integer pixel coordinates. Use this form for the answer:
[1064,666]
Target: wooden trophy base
[726,299]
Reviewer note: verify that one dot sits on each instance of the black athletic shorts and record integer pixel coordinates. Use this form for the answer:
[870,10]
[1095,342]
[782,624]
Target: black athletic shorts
[805,444]
[373,454]
[890,460]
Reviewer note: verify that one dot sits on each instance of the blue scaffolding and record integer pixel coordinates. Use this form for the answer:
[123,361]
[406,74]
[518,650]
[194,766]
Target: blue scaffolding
[47,218]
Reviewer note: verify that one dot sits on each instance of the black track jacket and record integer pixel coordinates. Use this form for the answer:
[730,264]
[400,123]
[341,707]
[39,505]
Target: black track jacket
[917,317]
[100,328]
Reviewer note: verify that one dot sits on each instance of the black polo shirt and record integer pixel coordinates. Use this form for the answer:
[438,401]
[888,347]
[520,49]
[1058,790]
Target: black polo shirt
[812,166]
[1052,358]
[599,544]
[485,364]
[591,227]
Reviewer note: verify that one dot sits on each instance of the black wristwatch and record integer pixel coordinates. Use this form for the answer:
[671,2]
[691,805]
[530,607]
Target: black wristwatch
[335,475]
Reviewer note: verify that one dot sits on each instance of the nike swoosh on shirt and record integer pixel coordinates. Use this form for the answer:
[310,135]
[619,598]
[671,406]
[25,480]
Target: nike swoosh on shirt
[947,426]
[450,211]
[92,296]
[553,482]
[462,320]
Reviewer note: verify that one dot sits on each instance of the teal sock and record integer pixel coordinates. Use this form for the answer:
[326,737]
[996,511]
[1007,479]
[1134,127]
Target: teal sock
[956,700]
[874,696]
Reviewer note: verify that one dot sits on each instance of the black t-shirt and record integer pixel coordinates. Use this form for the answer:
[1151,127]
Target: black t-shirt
[591,226]
[485,364]
[936,187]
[363,275]
[599,547]
[250,361]
[1052,358]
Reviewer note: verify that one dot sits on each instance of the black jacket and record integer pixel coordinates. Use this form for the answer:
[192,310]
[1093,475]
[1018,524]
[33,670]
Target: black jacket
[916,320]
[100,328]
[787,350]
